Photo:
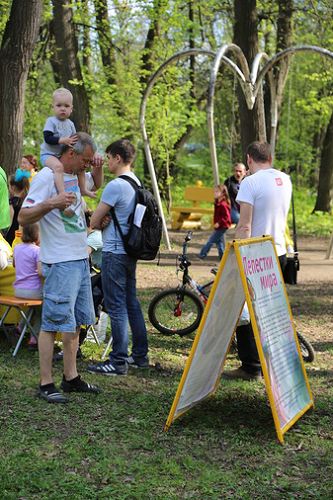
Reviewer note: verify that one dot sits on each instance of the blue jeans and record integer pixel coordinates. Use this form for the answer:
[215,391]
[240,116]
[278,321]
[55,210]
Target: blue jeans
[216,237]
[234,215]
[122,305]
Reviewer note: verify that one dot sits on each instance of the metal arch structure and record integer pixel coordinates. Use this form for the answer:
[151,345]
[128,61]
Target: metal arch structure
[151,82]
[250,84]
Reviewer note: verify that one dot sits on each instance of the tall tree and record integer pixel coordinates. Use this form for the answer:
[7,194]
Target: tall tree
[66,64]
[105,40]
[16,51]
[325,184]
[252,122]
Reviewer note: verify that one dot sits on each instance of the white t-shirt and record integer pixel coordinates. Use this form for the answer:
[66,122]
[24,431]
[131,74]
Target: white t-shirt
[269,192]
[62,238]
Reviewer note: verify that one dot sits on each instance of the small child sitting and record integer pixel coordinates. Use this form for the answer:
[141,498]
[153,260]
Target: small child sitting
[222,221]
[58,130]
[28,284]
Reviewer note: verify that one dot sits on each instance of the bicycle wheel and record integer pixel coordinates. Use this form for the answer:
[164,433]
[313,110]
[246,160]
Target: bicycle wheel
[175,311]
[308,352]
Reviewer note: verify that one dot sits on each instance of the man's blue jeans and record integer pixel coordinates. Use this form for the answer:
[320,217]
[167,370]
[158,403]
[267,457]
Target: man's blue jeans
[122,305]
[217,238]
[234,215]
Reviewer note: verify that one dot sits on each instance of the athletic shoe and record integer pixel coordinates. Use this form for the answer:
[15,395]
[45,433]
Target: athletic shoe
[78,385]
[138,362]
[108,368]
[241,374]
[60,355]
[51,394]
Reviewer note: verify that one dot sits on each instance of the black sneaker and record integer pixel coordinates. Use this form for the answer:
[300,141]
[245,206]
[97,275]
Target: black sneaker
[138,362]
[108,368]
[78,385]
[60,355]
[51,394]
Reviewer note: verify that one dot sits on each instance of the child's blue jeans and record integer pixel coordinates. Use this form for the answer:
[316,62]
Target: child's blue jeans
[217,238]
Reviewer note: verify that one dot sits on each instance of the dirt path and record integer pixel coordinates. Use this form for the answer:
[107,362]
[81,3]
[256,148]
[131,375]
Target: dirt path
[314,267]
[311,300]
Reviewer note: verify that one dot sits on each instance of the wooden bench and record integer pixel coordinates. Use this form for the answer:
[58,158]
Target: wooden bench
[190,217]
[19,304]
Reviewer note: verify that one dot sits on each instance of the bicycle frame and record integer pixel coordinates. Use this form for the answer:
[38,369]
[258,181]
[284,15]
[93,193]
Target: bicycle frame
[184,264]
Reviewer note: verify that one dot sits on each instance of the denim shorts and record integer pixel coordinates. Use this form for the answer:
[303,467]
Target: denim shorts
[67,297]
[45,156]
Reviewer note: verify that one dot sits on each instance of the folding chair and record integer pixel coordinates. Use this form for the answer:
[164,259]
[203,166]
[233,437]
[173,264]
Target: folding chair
[19,304]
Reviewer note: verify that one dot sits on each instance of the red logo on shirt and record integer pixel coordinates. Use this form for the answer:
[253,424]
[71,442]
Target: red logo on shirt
[278,181]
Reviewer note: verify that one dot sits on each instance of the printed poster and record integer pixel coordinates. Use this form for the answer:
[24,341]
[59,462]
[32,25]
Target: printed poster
[204,365]
[282,363]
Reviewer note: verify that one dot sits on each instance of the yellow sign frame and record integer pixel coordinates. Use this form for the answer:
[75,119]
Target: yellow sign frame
[235,245]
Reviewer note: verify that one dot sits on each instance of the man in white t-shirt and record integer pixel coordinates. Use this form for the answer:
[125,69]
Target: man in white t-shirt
[264,198]
[67,297]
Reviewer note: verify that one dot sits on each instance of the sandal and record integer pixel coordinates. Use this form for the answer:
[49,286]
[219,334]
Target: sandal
[52,395]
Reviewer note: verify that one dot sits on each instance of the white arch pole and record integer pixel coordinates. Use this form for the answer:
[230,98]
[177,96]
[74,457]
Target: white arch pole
[243,77]
[257,80]
[250,84]
[150,163]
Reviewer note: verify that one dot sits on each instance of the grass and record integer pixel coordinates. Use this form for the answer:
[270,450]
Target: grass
[113,445]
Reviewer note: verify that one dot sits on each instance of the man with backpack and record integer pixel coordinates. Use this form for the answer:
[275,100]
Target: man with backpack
[117,204]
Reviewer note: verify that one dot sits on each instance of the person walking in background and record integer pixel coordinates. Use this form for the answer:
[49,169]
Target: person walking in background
[67,297]
[59,130]
[232,184]
[28,284]
[118,268]
[264,198]
[222,221]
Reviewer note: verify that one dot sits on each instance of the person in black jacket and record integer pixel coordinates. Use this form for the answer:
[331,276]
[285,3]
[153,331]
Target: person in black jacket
[232,184]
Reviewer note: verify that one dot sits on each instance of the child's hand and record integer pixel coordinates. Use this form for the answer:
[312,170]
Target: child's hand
[216,225]
[69,141]
[91,194]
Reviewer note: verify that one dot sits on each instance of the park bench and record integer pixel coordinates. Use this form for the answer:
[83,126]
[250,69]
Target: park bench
[190,217]
[25,307]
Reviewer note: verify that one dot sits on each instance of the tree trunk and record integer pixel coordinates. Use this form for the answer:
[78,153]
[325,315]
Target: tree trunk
[284,40]
[104,40]
[66,63]
[16,51]
[252,122]
[325,184]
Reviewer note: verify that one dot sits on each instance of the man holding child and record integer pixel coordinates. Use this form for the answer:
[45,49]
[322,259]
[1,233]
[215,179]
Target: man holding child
[67,297]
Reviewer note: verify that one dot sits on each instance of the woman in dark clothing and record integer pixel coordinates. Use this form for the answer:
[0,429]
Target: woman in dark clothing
[18,189]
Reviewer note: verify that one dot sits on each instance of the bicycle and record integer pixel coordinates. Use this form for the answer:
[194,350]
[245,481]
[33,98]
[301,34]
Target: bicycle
[178,311]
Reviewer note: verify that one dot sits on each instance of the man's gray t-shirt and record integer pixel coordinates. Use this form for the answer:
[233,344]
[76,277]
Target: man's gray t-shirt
[119,194]
[62,238]
[60,128]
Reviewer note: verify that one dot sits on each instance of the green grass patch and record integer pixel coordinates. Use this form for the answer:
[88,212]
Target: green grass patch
[113,446]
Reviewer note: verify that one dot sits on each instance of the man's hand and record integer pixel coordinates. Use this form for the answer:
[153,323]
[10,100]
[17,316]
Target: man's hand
[105,221]
[216,225]
[97,161]
[69,141]
[63,200]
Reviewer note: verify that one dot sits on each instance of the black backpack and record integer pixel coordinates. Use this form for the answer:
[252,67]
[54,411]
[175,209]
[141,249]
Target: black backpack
[145,231]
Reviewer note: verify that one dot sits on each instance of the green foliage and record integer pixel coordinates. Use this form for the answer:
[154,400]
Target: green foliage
[308,223]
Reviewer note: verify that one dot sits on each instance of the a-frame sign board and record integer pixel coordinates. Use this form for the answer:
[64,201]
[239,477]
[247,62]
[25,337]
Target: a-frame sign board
[249,271]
